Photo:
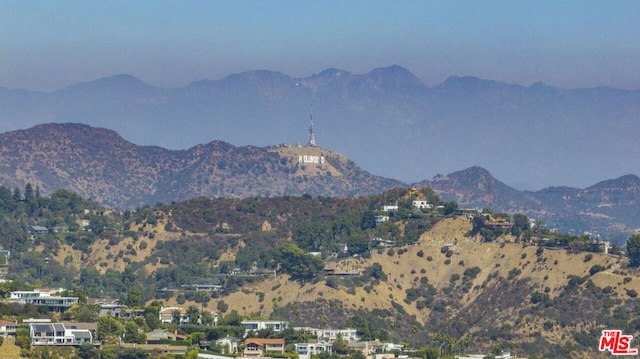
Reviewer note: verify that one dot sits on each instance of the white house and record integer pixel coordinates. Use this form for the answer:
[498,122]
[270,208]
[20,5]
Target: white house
[57,334]
[422,205]
[306,350]
[388,208]
[228,344]
[166,315]
[8,328]
[329,335]
[256,325]
[44,297]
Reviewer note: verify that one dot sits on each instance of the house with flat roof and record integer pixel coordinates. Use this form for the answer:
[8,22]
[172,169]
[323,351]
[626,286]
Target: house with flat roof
[256,325]
[58,334]
[43,297]
[306,350]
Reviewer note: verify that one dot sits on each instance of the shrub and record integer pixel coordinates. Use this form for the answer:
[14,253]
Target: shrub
[514,273]
[596,268]
[421,253]
[447,261]
[222,306]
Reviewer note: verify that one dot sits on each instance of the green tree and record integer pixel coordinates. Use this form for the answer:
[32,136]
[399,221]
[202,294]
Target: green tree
[298,264]
[87,351]
[192,313]
[108,326]
[633,250]
[134,297]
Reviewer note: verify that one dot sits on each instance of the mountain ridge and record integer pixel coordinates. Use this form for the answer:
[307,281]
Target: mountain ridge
[99,164]
[560,136]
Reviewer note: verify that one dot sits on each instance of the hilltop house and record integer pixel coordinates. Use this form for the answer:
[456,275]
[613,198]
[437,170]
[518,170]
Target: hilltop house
[422,205]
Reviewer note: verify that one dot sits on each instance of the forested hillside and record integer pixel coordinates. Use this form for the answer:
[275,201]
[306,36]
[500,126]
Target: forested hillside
[423,276]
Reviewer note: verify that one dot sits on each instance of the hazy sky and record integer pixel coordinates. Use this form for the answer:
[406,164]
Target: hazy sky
[46,45]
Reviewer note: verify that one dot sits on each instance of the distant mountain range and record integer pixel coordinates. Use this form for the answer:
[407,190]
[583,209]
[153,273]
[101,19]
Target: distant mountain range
[387,121]
[610,208]
[99,164]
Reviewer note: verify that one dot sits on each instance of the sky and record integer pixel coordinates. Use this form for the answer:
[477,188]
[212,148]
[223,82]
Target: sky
[47,45]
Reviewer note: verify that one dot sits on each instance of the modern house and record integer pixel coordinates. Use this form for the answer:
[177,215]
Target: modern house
[44,297]
[58,334]
[256,325]
[258,347]
[306,350]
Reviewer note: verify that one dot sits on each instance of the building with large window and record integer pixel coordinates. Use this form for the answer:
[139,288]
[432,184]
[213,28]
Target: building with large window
[44,297]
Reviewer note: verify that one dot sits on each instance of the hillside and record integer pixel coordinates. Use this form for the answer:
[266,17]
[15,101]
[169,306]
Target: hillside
[609,208]
[403,274]
[524,298]
[99,164]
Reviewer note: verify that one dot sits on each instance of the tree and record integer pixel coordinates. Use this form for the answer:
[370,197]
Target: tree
[87,351]
[192,313]
[134,297]
[206,318]
[298,264]
[633,250]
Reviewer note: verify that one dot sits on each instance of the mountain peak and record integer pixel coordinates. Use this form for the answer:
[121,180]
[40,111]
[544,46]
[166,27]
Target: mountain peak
[626,181]
[108,85]
[394,75]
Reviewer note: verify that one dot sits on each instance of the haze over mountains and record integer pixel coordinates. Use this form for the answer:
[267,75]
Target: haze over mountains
[99,164]
[386,121]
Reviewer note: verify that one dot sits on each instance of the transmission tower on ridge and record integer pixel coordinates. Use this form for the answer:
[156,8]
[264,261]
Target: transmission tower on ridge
[312,138]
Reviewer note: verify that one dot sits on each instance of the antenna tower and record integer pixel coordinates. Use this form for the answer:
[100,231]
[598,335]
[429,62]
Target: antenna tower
[312,138]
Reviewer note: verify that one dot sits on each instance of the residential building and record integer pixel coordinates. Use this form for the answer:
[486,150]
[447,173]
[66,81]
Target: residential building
[8,328]
[422,205]
[258,347]
[256,325]
[367,347]
[306,350]
[38,230]
[44,297]
[166,315]
[389,208]
[329,335]
[157,335]
[228,344]
[58,334]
